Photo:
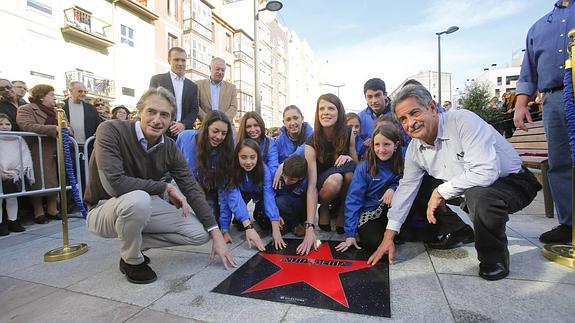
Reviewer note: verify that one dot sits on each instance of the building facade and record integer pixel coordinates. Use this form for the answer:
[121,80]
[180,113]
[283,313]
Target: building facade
[501,79]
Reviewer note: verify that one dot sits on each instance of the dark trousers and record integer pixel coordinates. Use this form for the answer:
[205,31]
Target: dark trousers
[371,232]
[292,209]
[489,209]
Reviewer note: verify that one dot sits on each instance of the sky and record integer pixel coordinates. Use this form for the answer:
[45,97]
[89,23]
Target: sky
[361,39]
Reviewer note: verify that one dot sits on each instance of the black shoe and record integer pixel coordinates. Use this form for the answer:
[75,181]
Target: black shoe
[339,230]
[146,260]
[453,239]
[15,226]
[56,217]
[495,271]
[325,227]
[42,219]
[559,234]
[4,230]
[138,274]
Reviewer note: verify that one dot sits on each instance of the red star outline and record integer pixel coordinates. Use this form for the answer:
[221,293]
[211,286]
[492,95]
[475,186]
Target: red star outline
[322,277]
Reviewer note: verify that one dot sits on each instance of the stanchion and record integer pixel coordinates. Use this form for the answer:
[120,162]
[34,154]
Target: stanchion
[564,254]
[67,251]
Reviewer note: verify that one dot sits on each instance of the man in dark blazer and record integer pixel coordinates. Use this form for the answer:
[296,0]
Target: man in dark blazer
[185,91]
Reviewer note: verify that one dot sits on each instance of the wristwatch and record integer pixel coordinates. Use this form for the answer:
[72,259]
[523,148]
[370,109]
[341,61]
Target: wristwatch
[308,225]
[249,226]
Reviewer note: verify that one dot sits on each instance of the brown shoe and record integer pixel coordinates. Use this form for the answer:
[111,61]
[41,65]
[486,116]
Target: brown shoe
[299,230]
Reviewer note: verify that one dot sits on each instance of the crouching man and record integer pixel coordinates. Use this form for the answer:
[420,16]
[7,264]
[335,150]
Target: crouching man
[125,191]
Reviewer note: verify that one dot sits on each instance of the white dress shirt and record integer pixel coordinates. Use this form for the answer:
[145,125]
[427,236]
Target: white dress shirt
[178,84]
[467,153]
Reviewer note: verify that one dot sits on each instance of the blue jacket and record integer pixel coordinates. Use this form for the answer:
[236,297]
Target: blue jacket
[250,188]
[367,118]
[365,191]
[359,147]
[286,147]
[299,188]
[227,200]
[271,157]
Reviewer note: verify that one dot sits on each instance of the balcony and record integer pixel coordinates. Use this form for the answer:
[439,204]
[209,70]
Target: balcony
[96,86]
[80,24]
[140,8]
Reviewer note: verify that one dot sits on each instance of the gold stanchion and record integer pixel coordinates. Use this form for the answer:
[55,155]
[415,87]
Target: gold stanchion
[67,251]
[564,254]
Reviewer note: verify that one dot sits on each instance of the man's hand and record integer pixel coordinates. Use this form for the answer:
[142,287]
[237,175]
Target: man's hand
[253,236]
[178,199]
[277,235]
[435,202]
[308,242]
[342,247]
[521,112]
[220,249]
[386,247]
[387,197]
[277,184]
[177,127]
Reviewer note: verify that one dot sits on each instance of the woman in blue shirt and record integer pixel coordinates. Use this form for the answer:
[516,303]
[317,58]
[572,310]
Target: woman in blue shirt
[374,182]
[252,126]
[209,152]
[254,180]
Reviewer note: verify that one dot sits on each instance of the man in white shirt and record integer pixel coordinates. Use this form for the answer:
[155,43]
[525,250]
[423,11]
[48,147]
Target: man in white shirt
[217,94]
[472,159]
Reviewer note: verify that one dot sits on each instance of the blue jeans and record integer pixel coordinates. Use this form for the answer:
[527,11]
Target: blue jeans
[292,209]
[560,173]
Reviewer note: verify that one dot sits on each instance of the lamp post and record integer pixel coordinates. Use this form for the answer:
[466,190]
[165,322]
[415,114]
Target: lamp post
[270,6]
[335,86]
[449,30]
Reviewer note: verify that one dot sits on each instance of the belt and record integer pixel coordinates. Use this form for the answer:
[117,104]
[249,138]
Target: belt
[555,89]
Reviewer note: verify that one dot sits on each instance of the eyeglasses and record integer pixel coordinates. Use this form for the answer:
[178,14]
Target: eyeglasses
[5,87]
[100,105]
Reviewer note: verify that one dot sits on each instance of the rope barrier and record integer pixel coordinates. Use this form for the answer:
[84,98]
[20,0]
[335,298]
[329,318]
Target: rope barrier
[569,109]
[70,173]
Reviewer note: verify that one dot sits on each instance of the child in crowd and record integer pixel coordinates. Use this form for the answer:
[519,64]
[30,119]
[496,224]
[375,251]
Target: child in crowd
[209,152]
[389,119]
[291,194]
[252,126]
[254,180]
[370,193]
[352,120]
[12,179]
[331,159]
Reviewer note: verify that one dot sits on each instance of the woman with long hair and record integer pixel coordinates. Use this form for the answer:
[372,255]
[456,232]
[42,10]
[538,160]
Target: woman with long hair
[209,152]
[252,126]
[331,159]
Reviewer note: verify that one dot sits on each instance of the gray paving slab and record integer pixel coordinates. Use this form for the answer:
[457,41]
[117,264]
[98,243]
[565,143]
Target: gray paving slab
[15,293]
[194,299]
[26,255]
[412,256]
[172,267]
[150,316]
[531,226]
[475,300]
[65,306]
[100,256]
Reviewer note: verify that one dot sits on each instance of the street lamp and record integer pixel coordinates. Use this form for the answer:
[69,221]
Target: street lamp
[449,30]
[335,86]
[270,6]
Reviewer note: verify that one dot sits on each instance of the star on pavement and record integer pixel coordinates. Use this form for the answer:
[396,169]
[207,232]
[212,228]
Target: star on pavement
[318,269]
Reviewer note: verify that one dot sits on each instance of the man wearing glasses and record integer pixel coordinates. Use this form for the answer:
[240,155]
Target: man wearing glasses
[20,88]
[8,102]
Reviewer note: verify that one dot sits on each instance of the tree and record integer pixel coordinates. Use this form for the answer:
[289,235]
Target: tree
[476,98]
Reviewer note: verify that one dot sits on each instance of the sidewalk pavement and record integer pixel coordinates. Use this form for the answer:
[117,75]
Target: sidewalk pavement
[426,285]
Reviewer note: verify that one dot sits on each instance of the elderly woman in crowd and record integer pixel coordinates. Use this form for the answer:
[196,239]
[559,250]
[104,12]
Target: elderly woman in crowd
[102,108]
[40,117]
[120,112]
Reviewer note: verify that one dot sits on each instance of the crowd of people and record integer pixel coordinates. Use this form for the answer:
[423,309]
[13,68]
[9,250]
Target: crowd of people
[379,177]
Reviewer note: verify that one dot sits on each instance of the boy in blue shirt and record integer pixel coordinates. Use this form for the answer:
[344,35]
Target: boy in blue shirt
[291,195]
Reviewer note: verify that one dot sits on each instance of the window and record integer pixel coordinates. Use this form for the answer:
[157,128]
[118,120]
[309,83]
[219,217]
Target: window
[42,5]
[228,43]
[172,9]
[172,41]
[127,36]
[128,91]
[510,79]
[499,80]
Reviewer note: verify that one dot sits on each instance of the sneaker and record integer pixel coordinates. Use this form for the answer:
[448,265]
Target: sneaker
[560,234]
[4,229]
[138,274]
[15,226]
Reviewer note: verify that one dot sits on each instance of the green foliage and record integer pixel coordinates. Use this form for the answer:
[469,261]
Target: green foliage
[476,98]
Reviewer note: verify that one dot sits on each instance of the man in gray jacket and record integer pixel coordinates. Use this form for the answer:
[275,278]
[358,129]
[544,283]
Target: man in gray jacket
[125,190]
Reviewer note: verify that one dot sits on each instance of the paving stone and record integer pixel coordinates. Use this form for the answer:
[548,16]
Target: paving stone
[65,306]
[173,268]
[412,256]
[531,226]
[150,316]
[473,300]
[15,293]
[26,255]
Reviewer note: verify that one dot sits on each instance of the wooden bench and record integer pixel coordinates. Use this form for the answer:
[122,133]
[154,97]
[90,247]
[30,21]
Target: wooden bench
[532,147]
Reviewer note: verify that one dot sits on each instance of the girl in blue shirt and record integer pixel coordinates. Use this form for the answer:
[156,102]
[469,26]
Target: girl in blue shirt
[209,152]
[369,196]
[255,183]
[252,126]
[352,120]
